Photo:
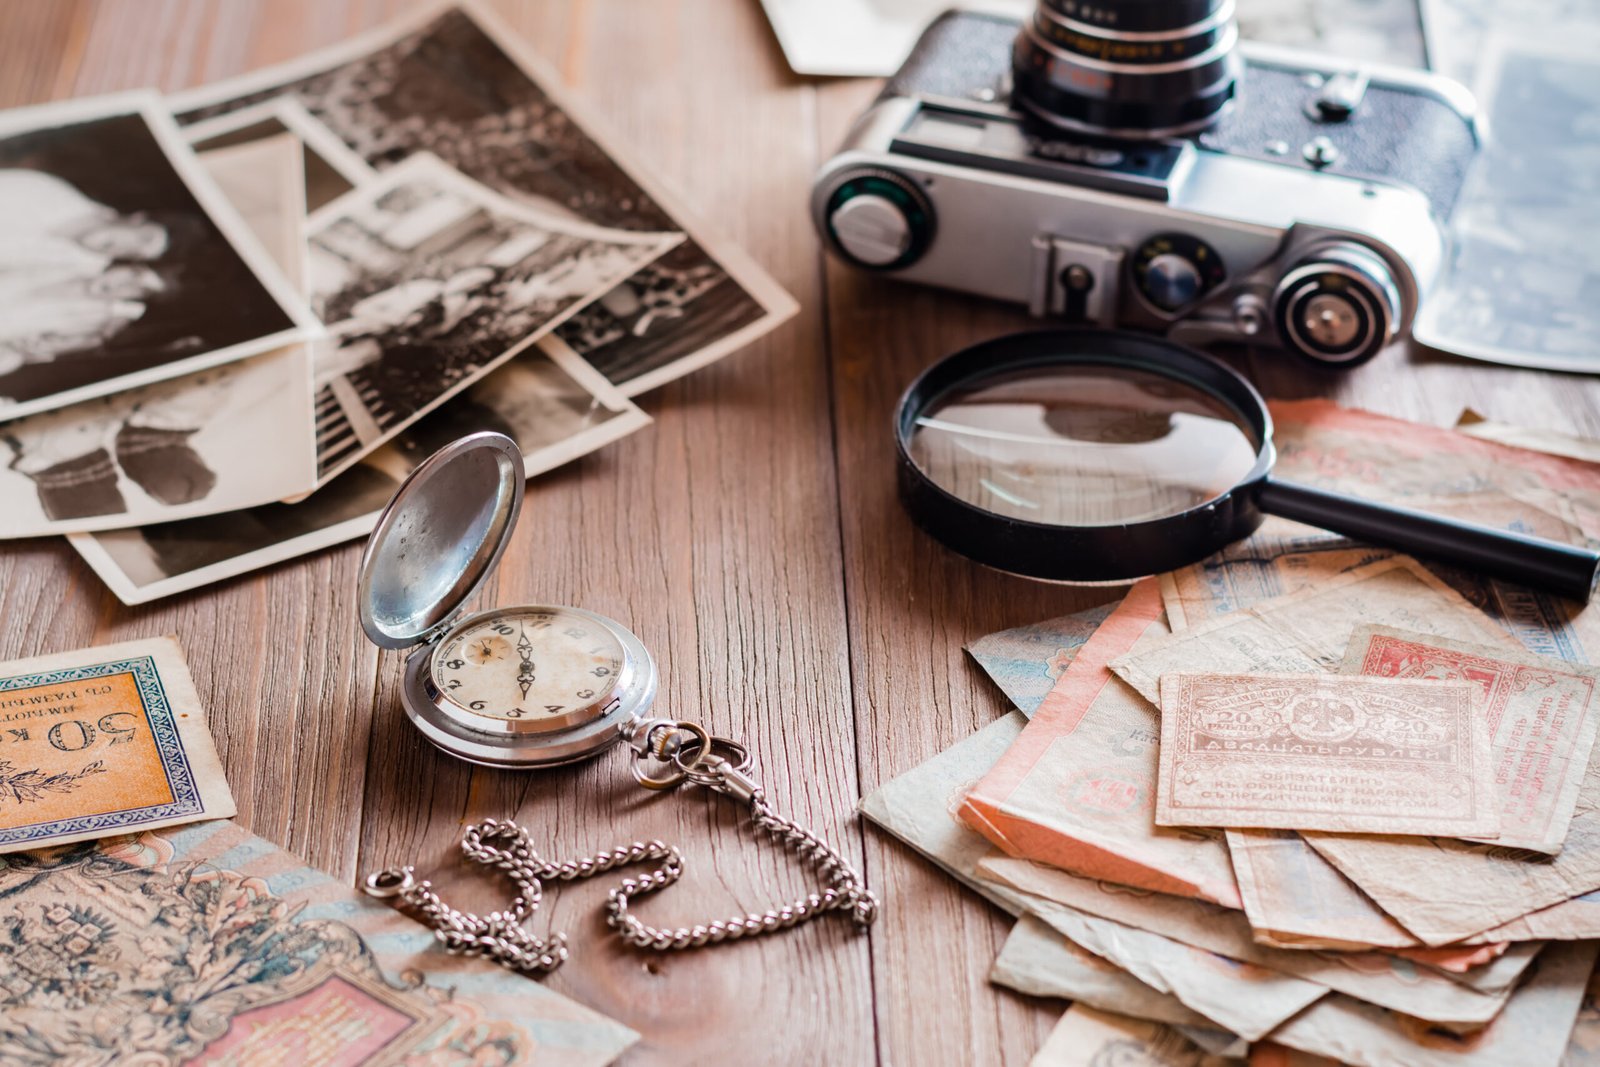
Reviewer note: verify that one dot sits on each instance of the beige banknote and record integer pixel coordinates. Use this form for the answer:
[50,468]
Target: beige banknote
[104,741]
[1527,437]
[919,808]
[1077,790]
[1534,1030]
[1307,631]
[1296,899]
[1244,998]
[1583,1047]
[1542,714]
[1088,1037]
[1037,960]
[1325,752]
[1370,976]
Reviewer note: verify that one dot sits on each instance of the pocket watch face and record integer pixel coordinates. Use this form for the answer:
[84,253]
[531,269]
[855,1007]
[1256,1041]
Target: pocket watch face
[527,666]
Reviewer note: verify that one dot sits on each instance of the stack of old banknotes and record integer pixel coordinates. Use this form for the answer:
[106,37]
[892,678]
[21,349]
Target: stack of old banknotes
[1307,801]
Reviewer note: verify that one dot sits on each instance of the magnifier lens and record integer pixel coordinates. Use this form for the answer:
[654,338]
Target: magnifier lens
[1082,444]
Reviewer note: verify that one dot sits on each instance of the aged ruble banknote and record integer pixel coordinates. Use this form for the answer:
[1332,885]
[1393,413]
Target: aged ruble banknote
[1026,661]
[1307,631]
[1392,755]
[104,741]
[1088,1037]
[1542,715]
[1444,890]
[1534,1030]
[1038,960]
[1370,976]
[1077,790]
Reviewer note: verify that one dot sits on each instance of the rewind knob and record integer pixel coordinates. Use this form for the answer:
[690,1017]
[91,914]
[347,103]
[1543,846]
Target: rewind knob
[877,219]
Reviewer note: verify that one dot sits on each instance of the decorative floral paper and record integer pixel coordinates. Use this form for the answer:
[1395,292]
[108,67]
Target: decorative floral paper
[209,945]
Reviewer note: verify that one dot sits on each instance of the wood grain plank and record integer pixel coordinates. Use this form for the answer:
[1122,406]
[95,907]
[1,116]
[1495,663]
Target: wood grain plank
[714,536]
[913,605]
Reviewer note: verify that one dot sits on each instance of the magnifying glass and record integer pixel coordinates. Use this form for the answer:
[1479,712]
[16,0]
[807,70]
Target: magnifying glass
[1099,456]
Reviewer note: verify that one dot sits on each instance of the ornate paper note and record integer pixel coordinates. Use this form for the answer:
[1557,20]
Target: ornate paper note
[104,741]
[1541,714]
[1324,752]
[208,945]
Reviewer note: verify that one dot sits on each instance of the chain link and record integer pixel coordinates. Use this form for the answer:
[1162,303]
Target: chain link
[694,756]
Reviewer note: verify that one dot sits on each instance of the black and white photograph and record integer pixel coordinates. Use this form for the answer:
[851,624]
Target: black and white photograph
[121,264]
[428,281]
[457,84]
[331,169]
[228,437]
[556,407]
[1521,282]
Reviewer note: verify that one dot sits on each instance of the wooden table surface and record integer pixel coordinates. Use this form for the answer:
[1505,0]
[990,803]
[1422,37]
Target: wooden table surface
[751,537]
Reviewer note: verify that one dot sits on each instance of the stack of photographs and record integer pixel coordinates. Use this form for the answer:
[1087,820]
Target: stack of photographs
[232,320]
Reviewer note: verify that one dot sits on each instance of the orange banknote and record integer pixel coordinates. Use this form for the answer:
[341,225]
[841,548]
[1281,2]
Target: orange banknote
[1077,789]
[104,741]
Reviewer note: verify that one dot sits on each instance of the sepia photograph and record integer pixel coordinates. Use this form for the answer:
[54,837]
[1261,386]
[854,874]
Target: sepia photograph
[121,264]
[428,281]
[459,85]
[228,437]
[555,406]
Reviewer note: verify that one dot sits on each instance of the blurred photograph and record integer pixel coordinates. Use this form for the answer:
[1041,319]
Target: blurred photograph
[428,281]
[120,263]
[458,85]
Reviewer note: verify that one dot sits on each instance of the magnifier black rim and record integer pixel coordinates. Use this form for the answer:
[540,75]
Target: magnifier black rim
[1082,553]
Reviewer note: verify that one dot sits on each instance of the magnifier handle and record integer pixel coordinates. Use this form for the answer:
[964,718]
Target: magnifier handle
[1531,561]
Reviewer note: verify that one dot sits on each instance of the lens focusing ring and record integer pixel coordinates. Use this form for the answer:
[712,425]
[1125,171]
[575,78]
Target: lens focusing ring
[1134,16]
[1119,70]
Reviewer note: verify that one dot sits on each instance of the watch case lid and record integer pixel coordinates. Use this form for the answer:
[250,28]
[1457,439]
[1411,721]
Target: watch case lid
[439,539]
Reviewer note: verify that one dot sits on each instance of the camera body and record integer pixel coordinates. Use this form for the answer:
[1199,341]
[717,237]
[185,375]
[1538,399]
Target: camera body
[1310,215]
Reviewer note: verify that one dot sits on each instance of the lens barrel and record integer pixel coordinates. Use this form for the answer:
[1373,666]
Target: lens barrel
[1127,69]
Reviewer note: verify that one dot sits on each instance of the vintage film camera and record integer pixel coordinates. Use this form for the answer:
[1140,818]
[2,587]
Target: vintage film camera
[1129,163]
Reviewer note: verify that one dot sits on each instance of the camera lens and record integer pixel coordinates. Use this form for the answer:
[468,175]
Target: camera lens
[1127,69]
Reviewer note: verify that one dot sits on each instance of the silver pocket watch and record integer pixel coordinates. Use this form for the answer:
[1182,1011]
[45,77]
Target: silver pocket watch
[536,686]
[518,687]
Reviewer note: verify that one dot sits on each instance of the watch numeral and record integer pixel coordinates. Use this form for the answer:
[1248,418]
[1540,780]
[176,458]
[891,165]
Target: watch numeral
[601,672]
[455,683]
[503,630]
[455,664]
[514,713]
[585,694]
[553,708]
[476,705]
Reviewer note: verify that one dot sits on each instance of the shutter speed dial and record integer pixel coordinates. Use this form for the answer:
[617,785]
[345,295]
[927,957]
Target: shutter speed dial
[1173,270]
[878,219]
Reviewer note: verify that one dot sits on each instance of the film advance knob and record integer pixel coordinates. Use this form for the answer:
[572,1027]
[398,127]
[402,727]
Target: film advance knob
[880,220]
[1339,306]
